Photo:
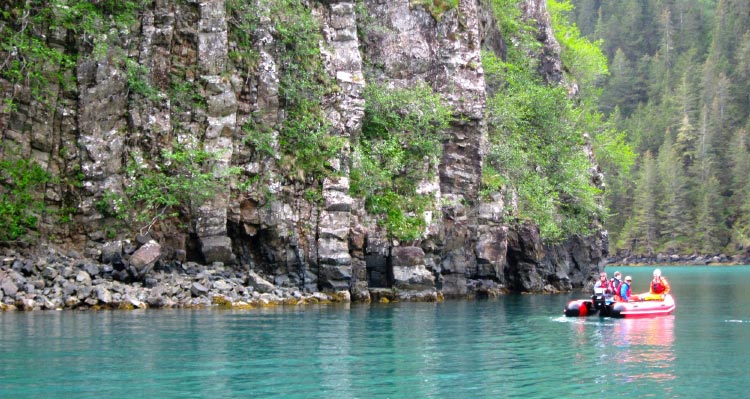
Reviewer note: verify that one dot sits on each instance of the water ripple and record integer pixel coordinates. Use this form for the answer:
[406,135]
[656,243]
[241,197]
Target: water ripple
[516,346]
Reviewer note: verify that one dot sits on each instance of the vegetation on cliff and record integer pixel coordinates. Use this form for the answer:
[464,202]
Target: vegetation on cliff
[399,149]
[20,199]
[537,129]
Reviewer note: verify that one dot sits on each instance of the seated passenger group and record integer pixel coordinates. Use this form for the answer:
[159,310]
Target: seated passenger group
[621,289]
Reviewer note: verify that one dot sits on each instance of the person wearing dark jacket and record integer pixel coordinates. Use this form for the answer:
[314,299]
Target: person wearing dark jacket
[615,282]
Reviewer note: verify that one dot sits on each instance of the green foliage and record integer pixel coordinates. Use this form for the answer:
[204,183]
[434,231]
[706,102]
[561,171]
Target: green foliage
[27,58]
[243,19]
[641,231]
[185,95]
[678,90]
[536,138]
[261,137]
[313,195]
[138,81]
[612,149]
[184,177]
[509,20]
[22,184]
[404,214]
[492,181]
[582,58]
[400,146]
[303,83]
[436,7]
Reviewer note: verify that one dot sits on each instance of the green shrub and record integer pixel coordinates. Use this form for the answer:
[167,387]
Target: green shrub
[304,134]
[22,184]
[400,147]
[537,147]
[536,131]
[184,178]
[436,7]
[27,59]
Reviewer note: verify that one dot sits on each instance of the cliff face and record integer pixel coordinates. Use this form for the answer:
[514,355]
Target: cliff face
[265,219]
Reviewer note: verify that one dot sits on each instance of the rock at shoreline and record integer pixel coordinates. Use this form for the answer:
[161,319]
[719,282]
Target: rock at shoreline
[144,259]
[60,282]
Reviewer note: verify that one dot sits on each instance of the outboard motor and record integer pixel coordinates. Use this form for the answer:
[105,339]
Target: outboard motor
[601,301]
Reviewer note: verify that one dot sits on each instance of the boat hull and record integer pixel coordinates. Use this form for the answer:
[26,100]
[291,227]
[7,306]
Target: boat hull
[632,309]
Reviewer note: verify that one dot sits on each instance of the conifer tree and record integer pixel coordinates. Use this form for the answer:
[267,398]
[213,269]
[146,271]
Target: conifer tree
[683,89]
[673,202]
[642,233]
[710,234]
[739,202]
[620,92]
[685,143]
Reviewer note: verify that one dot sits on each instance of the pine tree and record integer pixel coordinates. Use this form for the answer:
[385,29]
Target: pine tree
[620,91]
[666,44]
[685,143]
[710,234]
[673,202]
[692,22]
[643,232]
[739,202]
[740,78]
[687,75]
[586,16]
[718,126]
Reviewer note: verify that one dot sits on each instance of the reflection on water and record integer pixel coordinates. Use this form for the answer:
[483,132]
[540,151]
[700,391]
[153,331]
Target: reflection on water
[646,344]
[629,350]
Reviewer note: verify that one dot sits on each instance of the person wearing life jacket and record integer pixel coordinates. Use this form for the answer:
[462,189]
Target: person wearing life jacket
[604,288]
[658,288]
[624,291]
[604,283]
[615,282]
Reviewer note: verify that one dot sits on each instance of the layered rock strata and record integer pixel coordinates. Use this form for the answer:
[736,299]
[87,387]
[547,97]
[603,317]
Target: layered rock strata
[297,243]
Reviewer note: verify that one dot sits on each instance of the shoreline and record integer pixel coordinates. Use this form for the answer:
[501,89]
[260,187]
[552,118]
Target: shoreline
[675,260]
[54,281]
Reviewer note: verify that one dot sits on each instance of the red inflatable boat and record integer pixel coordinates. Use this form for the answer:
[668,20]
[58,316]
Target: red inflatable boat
[599,305]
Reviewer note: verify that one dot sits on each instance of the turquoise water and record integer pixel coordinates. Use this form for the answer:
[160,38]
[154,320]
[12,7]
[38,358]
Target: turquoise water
[515,346]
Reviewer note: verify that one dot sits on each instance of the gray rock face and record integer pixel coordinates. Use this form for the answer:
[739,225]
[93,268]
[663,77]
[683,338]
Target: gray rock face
[275,229]
[409,271]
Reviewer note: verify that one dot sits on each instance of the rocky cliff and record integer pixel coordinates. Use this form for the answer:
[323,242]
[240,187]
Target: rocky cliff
[219,75]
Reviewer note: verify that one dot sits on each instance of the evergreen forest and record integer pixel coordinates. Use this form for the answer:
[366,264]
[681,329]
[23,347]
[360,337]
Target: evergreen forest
[678,87]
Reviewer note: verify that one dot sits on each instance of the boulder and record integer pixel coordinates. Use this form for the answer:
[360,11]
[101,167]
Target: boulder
[259,283]
[144,259]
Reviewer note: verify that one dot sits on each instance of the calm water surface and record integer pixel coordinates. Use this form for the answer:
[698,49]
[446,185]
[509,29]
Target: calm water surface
[515,346]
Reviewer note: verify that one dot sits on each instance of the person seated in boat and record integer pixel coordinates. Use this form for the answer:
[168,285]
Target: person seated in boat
[615,282]
[659,287]
[603,285]
[624,292]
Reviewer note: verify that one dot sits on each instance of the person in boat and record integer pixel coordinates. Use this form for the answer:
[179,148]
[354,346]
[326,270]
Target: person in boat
[659,287]
[624,291]
[604,284]
[616,281]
